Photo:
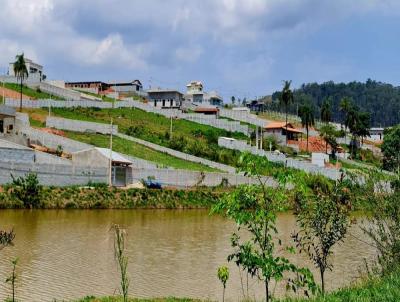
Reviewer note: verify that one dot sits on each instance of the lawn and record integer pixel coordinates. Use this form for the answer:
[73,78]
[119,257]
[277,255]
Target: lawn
[137,150]
[36,94]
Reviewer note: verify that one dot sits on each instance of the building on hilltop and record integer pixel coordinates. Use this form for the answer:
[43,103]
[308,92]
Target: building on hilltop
[7,119]
[123,89]
[35,70]
[196,95]
[165,98]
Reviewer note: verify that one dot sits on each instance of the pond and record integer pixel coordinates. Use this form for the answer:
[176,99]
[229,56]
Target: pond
[68,254]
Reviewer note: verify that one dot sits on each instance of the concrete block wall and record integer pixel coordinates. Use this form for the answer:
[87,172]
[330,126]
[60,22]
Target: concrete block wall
[184,178]
[80,126]
[53,175]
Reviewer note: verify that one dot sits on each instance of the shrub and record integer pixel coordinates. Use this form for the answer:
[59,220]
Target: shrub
[27,189]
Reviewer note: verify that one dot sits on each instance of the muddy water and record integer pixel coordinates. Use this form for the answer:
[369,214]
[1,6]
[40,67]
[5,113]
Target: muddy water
[69,254]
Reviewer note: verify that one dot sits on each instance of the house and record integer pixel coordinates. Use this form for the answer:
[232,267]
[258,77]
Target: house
[279,130]
[88,86]
[207,110]
[165,98]
[99,87]
[35,70]
[127,88]
[376,134]
[100,157]
[196,95]
[257,106]
[7,119]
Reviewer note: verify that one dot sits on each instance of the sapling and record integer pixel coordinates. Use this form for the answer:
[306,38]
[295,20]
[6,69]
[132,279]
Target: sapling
[13,278]
[223,276]
[122,259]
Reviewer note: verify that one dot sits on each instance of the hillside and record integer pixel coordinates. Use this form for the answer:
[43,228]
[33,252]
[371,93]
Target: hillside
[380,99]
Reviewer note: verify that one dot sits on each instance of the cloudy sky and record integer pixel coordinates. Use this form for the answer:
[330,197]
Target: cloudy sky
[238,47]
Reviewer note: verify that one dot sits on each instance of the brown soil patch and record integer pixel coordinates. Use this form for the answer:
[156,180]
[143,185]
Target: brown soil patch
[9,93]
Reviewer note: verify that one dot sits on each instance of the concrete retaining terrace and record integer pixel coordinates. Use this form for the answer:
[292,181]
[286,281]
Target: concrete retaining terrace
[232,126]
[80,126]
[278,158]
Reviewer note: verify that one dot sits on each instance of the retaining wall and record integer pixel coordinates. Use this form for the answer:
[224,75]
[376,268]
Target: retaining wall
[80,126]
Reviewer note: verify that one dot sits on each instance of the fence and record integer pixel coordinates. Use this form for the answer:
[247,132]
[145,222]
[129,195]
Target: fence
[243,116]
[278,158]
[232,126]
[80,126]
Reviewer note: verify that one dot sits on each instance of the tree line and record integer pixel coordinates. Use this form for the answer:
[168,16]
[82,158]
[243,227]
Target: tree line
[380,100]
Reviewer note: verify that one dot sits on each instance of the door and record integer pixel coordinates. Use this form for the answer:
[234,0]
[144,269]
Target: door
[1,126]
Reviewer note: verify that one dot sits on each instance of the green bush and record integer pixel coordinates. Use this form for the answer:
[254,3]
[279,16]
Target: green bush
[27,189]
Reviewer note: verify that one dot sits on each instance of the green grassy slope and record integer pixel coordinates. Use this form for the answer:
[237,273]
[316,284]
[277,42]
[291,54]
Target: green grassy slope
[36,94]
[137,150]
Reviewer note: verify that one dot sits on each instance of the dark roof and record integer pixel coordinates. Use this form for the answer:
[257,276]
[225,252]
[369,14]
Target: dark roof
[85,82]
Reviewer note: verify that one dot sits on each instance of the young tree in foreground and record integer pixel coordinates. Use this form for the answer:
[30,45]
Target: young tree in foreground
[306,113]
[21,72]
[13,278]
[122,259]
[223,276]
[323,220]
[253,208]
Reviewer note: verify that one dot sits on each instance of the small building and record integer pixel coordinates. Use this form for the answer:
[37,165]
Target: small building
[100,157]
[279,129]
[257,106]
[196,95]
[376,134]
[127,87]
[7,119]
[35,70]
[207,110]
[88,86]
[165,98]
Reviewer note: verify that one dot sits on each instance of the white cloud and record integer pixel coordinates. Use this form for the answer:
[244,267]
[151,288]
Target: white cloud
[188,54]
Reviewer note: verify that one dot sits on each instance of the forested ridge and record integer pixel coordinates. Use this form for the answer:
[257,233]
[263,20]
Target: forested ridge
[381,100]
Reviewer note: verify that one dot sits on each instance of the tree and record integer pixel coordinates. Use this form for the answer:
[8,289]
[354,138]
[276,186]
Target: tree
[306,114]
[21,72]
[390,149]
[223,276]
[326,111]
[359,124]
[27,189]
[323,220]
[233,100]
[329,134]
[363,125]
[253,208]
[285,100]
[345,106]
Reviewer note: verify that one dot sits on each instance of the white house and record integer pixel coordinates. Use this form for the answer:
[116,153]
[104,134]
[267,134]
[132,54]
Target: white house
[35,70]
[196,95]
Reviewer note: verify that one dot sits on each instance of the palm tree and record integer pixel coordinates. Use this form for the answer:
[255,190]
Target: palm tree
[286,99]
[328,133]
[345,106]
[326,112]
[306,114]
[21,72]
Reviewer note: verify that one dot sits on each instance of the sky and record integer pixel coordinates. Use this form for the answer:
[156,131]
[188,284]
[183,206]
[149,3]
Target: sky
[244,48]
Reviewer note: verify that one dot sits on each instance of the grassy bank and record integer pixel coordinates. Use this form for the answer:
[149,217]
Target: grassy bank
[386,289]
[33,93]
[105,198]
[134,149]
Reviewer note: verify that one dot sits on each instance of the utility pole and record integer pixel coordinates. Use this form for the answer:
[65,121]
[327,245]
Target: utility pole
[170,129]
